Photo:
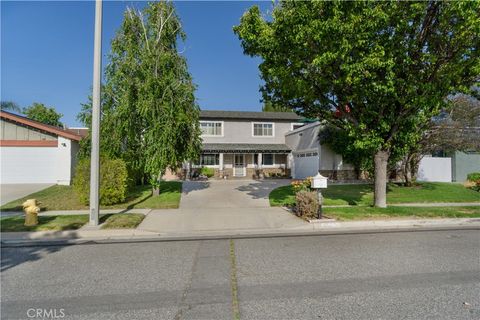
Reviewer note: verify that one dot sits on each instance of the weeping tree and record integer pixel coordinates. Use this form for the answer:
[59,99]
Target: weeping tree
[377,70]
[149,114]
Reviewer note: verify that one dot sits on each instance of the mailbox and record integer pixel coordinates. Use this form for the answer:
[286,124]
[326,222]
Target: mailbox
[319,182]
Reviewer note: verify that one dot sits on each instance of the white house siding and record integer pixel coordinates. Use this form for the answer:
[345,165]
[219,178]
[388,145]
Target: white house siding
[28,165]
[240,131]
[435,169]
[38,164]
[308,156]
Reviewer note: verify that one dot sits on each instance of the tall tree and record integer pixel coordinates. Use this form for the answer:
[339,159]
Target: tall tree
[10,105]
[377,70]
[149,114]
[268,106]
[40,112]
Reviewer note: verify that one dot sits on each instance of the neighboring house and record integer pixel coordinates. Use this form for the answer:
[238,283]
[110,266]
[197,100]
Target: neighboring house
[464,163]
[33,152]
[448,167]
[247,144]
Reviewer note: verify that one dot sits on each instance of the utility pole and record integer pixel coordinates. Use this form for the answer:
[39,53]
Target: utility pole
[95,133]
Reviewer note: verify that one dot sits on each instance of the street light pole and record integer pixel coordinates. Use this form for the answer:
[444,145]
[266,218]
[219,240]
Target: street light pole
[95,133]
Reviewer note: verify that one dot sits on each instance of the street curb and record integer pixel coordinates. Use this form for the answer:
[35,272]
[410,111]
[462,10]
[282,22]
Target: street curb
[226,236]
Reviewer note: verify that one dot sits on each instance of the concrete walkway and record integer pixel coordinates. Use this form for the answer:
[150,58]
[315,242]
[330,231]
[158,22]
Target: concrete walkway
[184,221]
[10,192]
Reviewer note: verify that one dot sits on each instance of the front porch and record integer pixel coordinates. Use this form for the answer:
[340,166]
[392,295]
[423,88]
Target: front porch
[245,161]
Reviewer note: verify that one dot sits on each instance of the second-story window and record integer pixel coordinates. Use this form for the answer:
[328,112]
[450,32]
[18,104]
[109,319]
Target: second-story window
[262,129]
[211,128]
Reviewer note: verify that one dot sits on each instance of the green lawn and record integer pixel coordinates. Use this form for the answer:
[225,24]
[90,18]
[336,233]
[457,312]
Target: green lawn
[45,223]
[362,194]
[122,221]
[64,198]
[366,213]
[71,222]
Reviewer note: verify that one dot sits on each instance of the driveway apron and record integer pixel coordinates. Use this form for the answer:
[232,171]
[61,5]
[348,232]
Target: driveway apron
[219,206]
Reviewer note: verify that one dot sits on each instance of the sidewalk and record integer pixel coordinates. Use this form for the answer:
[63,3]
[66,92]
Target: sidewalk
[318,227]
[74,212]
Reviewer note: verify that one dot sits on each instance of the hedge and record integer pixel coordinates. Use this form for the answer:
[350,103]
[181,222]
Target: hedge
[474,177]
[113,181]
[208,172]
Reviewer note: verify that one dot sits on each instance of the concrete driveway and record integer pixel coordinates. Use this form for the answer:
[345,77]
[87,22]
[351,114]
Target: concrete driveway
[228,193]
[224,205]
[10,192]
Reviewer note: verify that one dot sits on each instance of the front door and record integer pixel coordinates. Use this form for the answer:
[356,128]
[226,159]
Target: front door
[239,165]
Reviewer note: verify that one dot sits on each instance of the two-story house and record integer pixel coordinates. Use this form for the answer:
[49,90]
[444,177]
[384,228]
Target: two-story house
[244,144]
[239,143]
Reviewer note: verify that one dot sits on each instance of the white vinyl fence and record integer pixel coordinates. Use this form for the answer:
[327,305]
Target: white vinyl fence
[435,169]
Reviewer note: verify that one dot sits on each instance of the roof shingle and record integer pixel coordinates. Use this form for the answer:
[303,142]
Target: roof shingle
[250,115]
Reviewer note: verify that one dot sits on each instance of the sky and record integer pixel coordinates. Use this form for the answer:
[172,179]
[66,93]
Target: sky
[47,52]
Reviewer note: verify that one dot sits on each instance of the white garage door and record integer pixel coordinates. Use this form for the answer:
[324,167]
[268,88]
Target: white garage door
[28,165]
[305,164]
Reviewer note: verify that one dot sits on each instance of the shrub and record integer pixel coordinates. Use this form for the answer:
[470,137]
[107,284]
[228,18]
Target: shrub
[113,181]
[302,185]
[307,204]
[208,172]
[474,178]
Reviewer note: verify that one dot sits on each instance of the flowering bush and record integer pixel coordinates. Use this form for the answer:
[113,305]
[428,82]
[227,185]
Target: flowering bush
[302,185]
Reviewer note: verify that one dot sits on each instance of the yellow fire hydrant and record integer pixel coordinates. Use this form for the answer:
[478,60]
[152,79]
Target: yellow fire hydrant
[31,212]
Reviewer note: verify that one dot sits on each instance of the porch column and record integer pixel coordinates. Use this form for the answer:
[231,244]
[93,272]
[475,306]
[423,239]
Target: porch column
[259,161]
[220,161]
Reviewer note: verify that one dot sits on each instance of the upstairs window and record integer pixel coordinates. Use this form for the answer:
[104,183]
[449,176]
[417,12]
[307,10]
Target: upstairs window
[262,129]
[211,128]
[297,125]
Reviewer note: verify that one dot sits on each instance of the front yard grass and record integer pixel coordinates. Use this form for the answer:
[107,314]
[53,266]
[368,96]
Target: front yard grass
[71,222]
[45,223]
[370,213]
[64,198]
[362,194]
[121,221]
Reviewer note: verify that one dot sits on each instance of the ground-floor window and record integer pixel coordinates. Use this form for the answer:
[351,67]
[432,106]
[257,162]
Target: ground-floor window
[267,159]
[208,160]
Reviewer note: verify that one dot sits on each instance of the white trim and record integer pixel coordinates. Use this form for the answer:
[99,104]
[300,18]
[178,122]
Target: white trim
[305,127]
[257,122]
[244,165]
[294,123]
[213,135]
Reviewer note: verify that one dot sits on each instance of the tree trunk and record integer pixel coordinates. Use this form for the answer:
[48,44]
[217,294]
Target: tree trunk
[156,188]
[380,195]
[406,170]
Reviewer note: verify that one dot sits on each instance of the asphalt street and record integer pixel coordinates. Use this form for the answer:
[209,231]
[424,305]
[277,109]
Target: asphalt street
[402,275]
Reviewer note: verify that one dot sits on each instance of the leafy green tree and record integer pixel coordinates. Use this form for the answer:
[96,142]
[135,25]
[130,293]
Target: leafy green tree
[10,105]
[377,70]
[149,114]
[339,142]
[44,114]
[268,106]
